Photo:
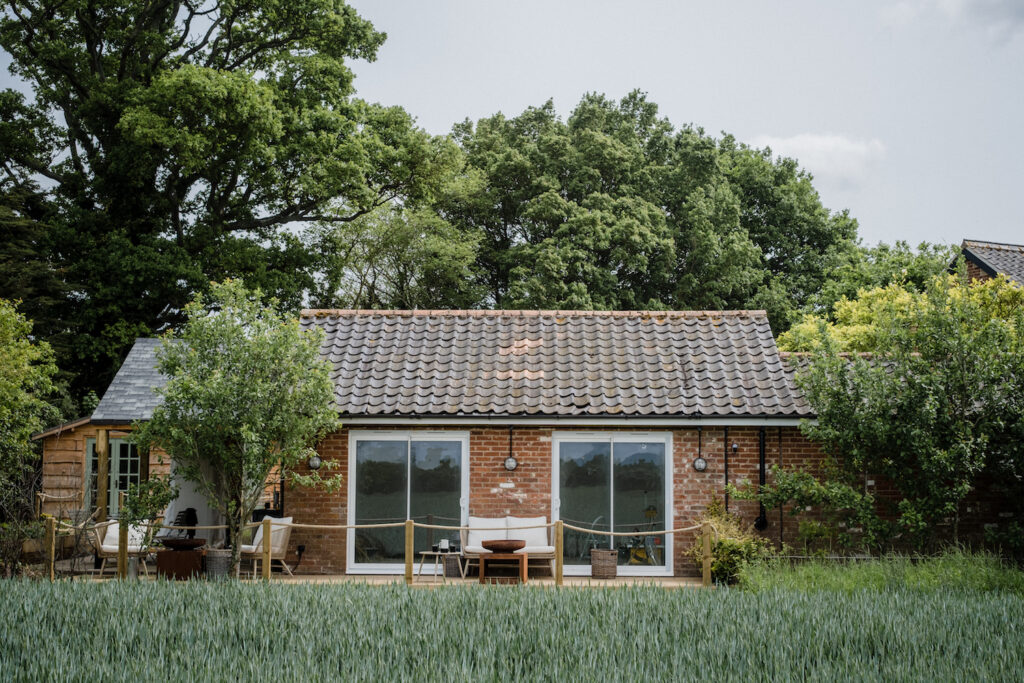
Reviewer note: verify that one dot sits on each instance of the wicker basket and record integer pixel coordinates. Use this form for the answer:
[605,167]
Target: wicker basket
[451,566]
[218,563]
[603,563]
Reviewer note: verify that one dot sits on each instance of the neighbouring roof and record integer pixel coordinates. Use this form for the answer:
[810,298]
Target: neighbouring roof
[994,257]
[131,395]
[556,363]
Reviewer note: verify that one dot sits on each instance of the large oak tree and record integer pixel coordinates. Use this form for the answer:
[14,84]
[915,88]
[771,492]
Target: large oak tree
[180,142]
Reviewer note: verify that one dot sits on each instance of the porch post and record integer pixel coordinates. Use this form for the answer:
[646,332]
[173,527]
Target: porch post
[266,548]
[559,551]
[122,549]
[102,472]
[409,531]
[51,543]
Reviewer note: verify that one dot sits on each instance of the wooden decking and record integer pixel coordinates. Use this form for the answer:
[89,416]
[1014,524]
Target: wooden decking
[539,581]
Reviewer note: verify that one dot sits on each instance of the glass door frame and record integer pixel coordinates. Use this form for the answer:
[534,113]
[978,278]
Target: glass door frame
[557,438]
[408,436]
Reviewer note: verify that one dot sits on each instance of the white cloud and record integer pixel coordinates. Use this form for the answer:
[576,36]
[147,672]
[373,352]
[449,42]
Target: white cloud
[834,158]
[1000,19]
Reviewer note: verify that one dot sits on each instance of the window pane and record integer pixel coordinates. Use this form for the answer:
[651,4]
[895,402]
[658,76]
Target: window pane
[435,489]
[380,486]
[584,483]
[639,483]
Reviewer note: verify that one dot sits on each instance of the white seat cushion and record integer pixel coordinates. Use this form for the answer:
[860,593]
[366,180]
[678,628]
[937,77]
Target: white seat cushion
[248,548]
[533,537]
[538,550]
[477,536]
[475,550]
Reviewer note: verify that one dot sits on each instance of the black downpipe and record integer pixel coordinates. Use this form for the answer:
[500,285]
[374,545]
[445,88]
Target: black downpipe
[761,523]
[725,441]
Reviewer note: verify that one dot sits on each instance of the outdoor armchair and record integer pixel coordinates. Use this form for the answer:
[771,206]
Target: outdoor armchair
[280,532]
[105,541]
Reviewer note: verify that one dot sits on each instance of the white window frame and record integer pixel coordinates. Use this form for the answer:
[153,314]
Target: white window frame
[557,438]
[356,435]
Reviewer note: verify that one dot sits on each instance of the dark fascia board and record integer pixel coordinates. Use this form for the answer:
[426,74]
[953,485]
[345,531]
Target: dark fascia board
[976,260]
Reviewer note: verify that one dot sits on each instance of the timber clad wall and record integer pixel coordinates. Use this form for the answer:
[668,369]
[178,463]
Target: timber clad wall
[64,466]
[531,492]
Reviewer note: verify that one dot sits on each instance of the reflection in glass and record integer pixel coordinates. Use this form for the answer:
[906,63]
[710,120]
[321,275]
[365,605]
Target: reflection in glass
[380,486]
[639,501]
[435,488]
[584,481]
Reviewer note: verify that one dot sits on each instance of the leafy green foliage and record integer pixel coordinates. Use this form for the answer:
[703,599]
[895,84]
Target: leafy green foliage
[850,514]
[614,208]
[952,570]
[396,258]
[26,374]
[247,391]
[182,143]
[942,398]
[252,631]
[145,502]
[734,545]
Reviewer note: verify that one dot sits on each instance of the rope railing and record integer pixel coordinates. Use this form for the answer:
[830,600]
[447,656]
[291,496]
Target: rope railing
[663,532]
[409,525]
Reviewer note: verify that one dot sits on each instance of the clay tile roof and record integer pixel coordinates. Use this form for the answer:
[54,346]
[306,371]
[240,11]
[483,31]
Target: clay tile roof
[555,363]
[994,257]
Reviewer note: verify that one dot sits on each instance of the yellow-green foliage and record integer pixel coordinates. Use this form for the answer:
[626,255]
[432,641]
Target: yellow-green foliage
[199,631]
[855,324]
[734,545]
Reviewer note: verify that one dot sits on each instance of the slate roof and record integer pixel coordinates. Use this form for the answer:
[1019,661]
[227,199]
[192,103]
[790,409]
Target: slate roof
[994,257]
[556,363]
[131,394]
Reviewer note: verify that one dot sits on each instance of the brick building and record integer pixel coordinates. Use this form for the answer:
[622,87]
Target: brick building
[987,259]
[632,421]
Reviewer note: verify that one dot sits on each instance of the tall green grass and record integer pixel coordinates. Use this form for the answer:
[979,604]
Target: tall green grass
[155,631]
[951,570]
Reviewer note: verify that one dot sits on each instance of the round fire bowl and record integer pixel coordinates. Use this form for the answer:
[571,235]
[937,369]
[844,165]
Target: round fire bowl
[183,543]
[504,546]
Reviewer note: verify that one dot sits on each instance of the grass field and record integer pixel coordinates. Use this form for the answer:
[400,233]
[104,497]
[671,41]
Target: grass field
[951,570]
[236,631]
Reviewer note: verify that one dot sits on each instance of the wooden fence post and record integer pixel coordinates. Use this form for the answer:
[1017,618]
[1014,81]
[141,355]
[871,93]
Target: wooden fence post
[51,544]
[266,548]
[122,549]
[559,550]
[706,573]
[410,530]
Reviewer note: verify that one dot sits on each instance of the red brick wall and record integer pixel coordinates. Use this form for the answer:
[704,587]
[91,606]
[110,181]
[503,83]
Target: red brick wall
[974,272]
[530,490]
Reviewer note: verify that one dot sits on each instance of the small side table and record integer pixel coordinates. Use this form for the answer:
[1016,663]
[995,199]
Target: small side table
[439,556]
[522,558]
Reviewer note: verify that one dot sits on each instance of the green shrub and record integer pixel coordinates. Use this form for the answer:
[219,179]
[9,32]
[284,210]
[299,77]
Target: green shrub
[734,545]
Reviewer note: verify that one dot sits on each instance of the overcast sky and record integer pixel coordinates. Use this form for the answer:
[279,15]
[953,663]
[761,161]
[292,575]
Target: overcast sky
[909,113]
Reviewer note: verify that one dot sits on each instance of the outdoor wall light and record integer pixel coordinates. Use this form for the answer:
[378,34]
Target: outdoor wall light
[314,462]
[735,447]
[700,464]
[511,463]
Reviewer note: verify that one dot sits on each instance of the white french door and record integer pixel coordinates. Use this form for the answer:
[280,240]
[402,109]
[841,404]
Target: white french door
[395,476]
[614,481]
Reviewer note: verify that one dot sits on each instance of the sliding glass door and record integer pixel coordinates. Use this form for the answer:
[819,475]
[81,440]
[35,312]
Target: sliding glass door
[614,482]
[394,476]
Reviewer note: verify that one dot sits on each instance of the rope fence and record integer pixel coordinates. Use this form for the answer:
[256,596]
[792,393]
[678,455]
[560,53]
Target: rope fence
[706,528]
